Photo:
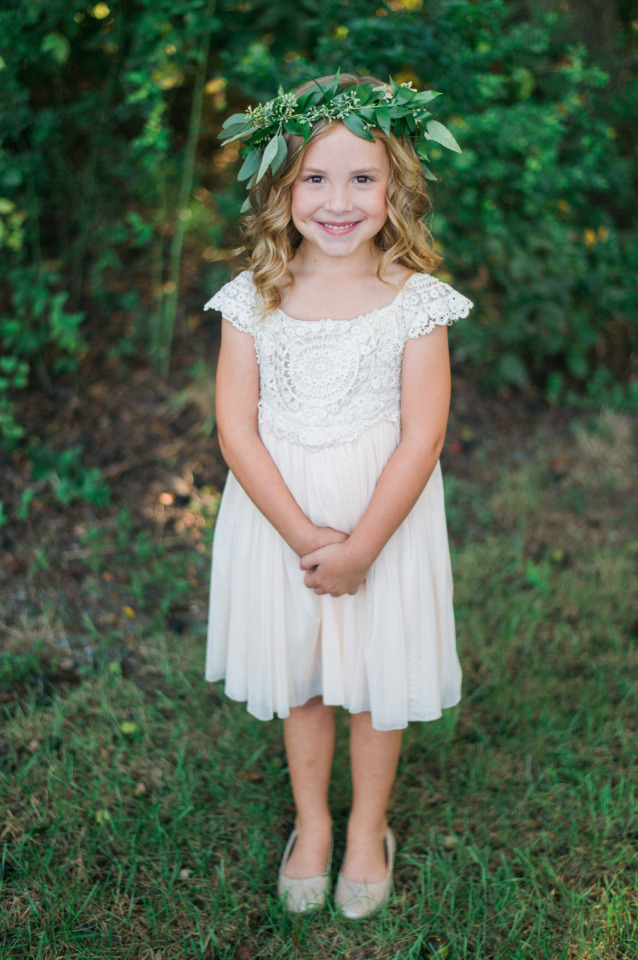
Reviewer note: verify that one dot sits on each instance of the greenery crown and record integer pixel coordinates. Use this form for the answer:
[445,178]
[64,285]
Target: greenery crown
[394,108]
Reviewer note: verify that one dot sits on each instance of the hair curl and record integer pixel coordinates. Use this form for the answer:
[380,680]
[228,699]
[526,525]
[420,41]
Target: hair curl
[272,238]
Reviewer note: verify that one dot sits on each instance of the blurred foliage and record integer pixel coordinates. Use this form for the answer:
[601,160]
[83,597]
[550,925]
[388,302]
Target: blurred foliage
[100,193]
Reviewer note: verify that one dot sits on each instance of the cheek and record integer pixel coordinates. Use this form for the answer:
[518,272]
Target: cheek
[378,201]
[299,200]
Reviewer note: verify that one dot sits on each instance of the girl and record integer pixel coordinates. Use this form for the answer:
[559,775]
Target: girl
[331,578]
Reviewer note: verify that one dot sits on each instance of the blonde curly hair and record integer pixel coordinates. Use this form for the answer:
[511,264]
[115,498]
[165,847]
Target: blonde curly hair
[271,237]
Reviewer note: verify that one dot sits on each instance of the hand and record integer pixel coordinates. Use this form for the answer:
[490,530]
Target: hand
[335,569]
[319,537]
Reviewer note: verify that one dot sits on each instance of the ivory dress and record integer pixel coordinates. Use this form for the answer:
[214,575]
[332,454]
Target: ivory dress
[329,415]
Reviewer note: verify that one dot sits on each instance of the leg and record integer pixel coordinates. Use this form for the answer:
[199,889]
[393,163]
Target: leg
[309,736]
[374,755]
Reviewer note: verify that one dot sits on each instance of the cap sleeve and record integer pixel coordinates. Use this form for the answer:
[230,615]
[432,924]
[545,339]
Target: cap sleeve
[237,302]
[428,303]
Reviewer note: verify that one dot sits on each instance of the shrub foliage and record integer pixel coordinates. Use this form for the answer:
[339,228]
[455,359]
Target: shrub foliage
[103,109]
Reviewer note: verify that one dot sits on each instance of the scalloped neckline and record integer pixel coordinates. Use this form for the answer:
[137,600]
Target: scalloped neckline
[362,316]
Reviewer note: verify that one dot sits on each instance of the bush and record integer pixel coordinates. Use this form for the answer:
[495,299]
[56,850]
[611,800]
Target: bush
[100,113]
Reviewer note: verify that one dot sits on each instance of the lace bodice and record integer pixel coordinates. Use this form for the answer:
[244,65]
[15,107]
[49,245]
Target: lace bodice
[326,381]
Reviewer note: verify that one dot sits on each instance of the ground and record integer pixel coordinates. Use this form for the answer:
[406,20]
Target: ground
[143,815]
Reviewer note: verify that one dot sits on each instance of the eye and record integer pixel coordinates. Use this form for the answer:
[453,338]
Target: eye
[364,178]
[313,178]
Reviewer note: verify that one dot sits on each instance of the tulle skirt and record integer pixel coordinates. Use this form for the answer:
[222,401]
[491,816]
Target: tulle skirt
[389,649]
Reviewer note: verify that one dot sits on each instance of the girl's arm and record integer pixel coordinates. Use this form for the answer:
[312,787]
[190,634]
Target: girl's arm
[236,399]
[425,402]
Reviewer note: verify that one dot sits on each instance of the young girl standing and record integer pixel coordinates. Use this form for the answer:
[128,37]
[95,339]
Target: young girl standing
[331,581]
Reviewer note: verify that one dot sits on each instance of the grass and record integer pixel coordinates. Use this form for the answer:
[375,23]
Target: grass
[144,814]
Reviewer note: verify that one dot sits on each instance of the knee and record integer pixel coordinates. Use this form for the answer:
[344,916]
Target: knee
[313,702]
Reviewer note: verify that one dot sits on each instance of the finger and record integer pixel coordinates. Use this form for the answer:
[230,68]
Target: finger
[308,561]
[310,579]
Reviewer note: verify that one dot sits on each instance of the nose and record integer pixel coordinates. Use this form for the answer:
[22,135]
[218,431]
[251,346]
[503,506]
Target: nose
[338,198]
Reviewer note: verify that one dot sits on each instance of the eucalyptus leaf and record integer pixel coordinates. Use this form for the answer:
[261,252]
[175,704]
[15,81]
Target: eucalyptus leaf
[236,130]
[250,165]
[246,206]
[240,135]
[281,154]
[269,155]
[235,118]
[442,135]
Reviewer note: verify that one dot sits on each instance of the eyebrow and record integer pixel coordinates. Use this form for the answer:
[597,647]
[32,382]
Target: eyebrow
[353,173]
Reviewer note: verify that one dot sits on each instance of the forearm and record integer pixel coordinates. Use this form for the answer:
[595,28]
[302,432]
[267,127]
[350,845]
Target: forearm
[257,473]
[399,487]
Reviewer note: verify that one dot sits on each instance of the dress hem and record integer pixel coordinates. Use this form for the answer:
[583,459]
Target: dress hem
[429,718]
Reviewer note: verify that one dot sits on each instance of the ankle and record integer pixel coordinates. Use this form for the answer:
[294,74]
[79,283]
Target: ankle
[366,830]
[313,825]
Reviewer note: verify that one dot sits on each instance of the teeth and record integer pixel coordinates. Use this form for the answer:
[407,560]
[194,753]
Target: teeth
[338,227]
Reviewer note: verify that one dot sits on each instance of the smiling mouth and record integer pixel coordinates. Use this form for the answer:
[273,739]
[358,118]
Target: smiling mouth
[338,227]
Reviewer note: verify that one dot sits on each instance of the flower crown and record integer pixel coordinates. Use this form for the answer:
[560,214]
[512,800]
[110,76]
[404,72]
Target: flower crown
[394,108]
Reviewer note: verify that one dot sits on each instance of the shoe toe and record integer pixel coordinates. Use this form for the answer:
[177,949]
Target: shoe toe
[299,895]
[358,900]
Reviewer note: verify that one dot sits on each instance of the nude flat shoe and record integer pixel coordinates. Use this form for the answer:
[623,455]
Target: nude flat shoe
[308,893]
[358,900]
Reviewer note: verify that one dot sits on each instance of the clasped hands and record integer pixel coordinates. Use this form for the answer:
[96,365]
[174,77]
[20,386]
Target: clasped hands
[334,566]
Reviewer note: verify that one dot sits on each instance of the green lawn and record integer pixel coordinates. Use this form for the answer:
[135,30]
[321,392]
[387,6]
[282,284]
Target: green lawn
[515,814]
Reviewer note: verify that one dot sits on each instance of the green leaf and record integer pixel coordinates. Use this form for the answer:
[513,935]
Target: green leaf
[310,98]
[364,92]
[513,370]
[296,127]
[425,96]
[58,46]
[269,155]
[235,118]
[281,155]
[334,86]
[421,147]
[383,119]
[250,165]
[405,95]
[246,206]
[357,126]
[235,131]
[428,173]
[442,135]
[243,135]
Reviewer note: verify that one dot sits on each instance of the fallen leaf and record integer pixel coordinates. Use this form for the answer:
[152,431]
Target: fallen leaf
[436,948]
[128,728]
[128,612]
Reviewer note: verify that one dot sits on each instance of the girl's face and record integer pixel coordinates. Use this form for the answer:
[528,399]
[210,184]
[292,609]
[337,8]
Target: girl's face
[339,196]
